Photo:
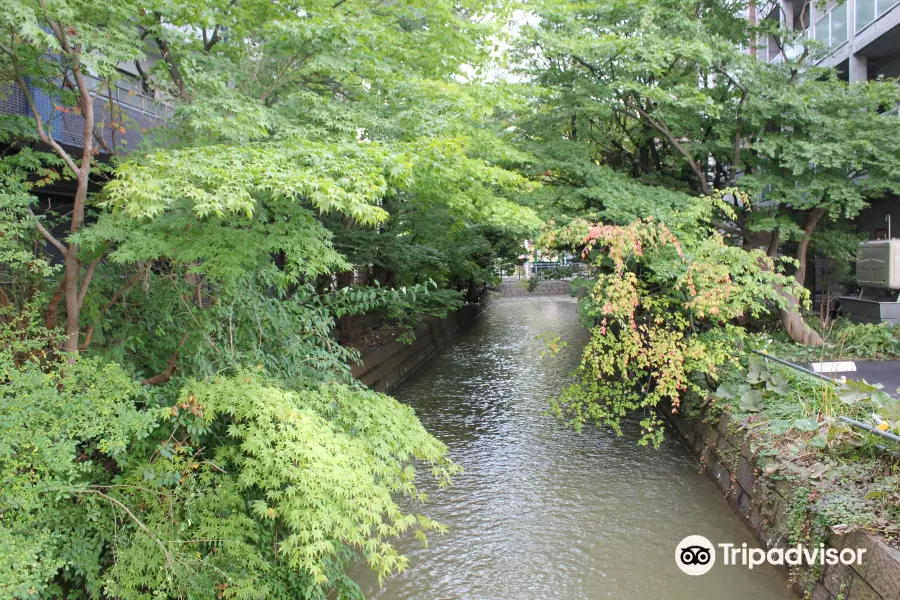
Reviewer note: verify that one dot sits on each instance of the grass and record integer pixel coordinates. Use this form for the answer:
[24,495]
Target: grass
[844,340]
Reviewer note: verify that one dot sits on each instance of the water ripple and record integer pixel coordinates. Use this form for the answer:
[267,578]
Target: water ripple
[542,512]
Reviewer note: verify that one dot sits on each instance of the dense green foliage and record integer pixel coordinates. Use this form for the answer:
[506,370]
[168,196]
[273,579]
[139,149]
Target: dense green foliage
[682,166]
[685,169]
[192,430]
[177,416]
[662,311]
[666,93]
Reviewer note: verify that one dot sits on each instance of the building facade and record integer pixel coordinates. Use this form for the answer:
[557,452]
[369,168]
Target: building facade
[862,36]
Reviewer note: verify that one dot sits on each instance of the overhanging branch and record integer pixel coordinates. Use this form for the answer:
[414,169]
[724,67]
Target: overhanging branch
[47,235]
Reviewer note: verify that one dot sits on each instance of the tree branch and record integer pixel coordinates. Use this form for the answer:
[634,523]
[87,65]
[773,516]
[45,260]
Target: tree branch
[662,128]
[47,235]
[38,120]
[145,80]
[53,306]
[594,70]
[738,133]
[115,297]
[213,39]
[170,367]
[88,275]
[279,82]
[137,521]
[169,58]
[98,137]
[57,30]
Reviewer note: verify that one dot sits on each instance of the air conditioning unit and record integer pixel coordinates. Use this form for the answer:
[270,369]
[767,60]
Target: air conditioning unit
[878,264]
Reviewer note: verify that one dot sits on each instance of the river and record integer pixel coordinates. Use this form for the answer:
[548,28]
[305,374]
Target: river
[543,512]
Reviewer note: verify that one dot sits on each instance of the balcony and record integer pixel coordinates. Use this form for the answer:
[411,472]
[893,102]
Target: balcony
[868,11]
[124,113]
[833,29]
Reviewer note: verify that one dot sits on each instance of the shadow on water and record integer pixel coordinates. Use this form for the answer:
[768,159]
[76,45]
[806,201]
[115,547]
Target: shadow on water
[543,512]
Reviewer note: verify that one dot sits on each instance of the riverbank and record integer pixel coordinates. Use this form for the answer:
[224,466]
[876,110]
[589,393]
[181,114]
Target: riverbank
[779,498]
[517,289]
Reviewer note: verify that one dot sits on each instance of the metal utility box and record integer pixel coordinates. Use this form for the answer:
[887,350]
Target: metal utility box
[878,264]
[860,310]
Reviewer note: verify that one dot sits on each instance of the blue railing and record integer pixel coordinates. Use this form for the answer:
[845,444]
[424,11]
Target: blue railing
[132,111]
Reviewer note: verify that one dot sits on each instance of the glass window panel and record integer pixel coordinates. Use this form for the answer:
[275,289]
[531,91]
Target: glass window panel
[885,5]
[839,25]
[865,13]
[822,34]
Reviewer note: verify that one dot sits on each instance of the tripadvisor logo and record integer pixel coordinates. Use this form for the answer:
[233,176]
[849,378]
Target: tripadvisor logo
[696,555]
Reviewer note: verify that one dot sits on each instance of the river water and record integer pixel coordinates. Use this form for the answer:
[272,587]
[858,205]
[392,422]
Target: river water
[543,512]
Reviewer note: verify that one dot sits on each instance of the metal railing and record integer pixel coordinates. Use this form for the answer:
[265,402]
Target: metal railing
[138,111]
[539,266]
[852,422]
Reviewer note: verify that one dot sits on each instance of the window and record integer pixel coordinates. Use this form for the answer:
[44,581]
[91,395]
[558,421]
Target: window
[832,29]
[839,25]
[885,5]
[822,30]
[869,10]
[865,13]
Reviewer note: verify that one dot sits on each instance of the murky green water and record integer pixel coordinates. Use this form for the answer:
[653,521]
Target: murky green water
[542,512]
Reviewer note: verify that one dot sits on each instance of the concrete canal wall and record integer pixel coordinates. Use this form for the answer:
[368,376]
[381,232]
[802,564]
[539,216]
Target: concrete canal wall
[763,502]
[385,367]
[512,289]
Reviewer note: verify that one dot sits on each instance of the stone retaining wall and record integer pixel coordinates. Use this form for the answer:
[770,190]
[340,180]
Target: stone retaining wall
[385,367]
[510,289]
[764,504]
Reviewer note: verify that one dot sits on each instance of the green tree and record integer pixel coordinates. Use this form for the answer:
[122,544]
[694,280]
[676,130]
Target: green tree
[69,52]
[667,92]
[661,308]
[200,435]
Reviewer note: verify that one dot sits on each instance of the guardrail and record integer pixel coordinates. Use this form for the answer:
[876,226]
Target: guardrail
[852,422]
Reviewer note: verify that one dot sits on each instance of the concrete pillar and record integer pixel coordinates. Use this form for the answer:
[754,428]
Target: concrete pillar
[859,68]
[791,49]
[787,14]
[814,15]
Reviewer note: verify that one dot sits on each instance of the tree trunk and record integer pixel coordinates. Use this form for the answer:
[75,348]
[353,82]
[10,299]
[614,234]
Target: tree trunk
[796,327]
[74,293]
[791,317]
[73,311]
[772,252]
